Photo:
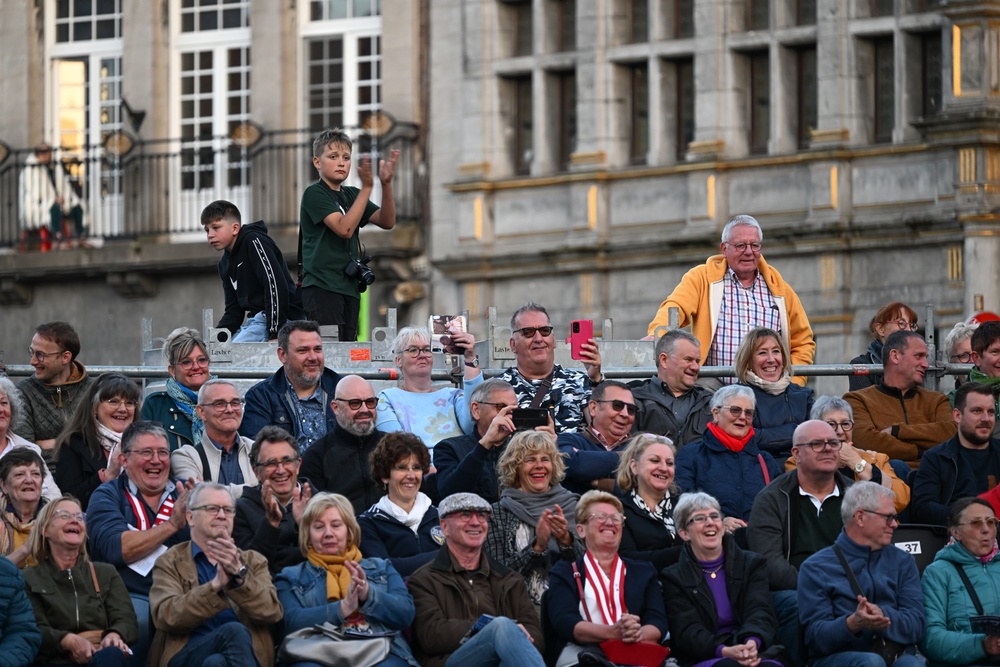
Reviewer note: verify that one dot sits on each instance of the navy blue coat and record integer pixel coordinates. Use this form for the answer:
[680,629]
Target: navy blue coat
[587,460]
[383,536]
[465,466]
[733,478]
[937,477]
[270,402]
[777,417]
[20,638]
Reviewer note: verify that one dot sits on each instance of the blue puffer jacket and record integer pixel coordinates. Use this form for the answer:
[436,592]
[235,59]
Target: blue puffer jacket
[19,635]
[949,639]
[302,592]
[777,417]
[271,402]
[733,478]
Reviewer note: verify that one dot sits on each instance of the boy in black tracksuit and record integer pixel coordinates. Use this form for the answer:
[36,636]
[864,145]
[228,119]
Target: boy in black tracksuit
[255,278]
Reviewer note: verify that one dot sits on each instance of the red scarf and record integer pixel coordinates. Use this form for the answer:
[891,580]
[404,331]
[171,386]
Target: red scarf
[731,443]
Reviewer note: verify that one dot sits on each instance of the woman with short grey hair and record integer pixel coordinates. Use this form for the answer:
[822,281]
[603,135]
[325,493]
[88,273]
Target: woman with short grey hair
[11,409]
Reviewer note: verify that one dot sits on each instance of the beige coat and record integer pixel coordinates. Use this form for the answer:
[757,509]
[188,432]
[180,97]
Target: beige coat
[179,604]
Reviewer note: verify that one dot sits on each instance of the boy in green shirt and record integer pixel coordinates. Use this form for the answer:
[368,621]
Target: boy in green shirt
[329,219]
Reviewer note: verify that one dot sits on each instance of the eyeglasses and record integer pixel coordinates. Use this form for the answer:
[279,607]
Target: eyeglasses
[844,426]
[468,515]
[228,510]
[617,405]
[704,518]
[272,464]
[407,469]
[889,518]
[63,515]
[819,445]
[417,351]
[904,325]
[148,454]
[978,524]
[963,358]
[529,332]
[220,405]
[601,517]
[499,406]
[189,363]
[736,411]
[116,403]
[742,247]
[355,403]
[42,356]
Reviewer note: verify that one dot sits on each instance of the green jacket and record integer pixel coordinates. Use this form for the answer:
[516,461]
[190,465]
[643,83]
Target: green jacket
[65,601]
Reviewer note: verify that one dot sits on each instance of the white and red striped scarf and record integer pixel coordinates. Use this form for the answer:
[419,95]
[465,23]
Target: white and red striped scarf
[139,509]
[604,597]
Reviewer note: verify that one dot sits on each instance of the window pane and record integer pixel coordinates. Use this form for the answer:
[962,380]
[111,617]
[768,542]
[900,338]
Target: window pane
[639,116]
[806,12]
[883,7]
[567,25]
[523,39]
[522,127]
[760,102]
[885,93]
[807,95]
[685,106]
[639,21]
[684,19]
[931,79]
[567,118]
[759,14]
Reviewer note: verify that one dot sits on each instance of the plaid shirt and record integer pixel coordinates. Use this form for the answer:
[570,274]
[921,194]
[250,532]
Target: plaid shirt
[743,309]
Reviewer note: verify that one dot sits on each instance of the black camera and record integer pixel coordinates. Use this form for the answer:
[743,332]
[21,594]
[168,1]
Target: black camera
[357,269]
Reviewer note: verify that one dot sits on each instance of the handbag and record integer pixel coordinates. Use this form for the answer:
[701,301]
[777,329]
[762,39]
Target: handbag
[93,636]
[887,649]
[332,646]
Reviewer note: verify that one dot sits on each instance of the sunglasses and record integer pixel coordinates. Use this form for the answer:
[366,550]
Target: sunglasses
[355,403]
[617,405]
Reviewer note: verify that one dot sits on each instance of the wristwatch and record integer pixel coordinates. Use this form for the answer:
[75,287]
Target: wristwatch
[241,573]
[859,467]
[473,364]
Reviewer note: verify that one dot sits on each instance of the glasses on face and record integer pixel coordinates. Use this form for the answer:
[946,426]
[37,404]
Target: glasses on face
[355,403]
[904,325]
[63,515]
[529,332]
[272,464]
[979,524]
[742,247]
[819,445]
[42,356]
[407,469]
[844,426]
[500,406]
[415,352]
[889,518]
[603,517]
[736,411]
[116,403]
[617,405]
[220,406]
[468,515]
[704,518]
[188,364]
[963,358]
[227,510]
[148,454]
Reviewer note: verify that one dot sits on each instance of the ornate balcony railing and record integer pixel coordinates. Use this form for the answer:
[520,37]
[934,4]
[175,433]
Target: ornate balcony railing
[159,187]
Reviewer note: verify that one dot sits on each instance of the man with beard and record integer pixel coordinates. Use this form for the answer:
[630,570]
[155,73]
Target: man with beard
[212,603]
[297,396]
[592,455]
[966,465]
[338,462]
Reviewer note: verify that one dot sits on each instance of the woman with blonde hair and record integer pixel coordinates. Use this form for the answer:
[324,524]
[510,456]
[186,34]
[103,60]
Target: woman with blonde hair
[649,494]
[188,364]
[764,364]
[337,585]
[531,526]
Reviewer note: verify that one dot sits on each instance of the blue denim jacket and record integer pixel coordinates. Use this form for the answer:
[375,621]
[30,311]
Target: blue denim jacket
[302,592]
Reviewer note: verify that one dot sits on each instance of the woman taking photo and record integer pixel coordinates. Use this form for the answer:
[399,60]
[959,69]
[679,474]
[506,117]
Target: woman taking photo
[717,595]
[417,406]
[403,525]
[951,638]
[763,363]
[88,447]
[649,493]
[600,597]
[11,409]
[728,462]
[892,317]
[82,608]
[336,585]
[21,474]
[188,364]
[532,526]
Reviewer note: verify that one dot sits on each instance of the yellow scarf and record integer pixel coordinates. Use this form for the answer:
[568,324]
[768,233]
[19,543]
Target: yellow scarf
[338,577]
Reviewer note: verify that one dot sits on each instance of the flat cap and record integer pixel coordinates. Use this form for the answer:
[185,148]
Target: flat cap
[463,502]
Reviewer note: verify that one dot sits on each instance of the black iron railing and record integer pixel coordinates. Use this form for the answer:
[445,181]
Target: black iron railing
[159,187]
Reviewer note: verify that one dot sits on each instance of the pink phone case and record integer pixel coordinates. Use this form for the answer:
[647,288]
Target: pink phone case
[580,332]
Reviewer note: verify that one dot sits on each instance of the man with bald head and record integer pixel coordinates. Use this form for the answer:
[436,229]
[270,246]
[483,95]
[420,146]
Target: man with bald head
[796,515]
[338,462]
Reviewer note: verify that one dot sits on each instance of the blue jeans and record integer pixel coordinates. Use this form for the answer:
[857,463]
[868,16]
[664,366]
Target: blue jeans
[500,644]
[786,608]
[140,649]
[106,657]
[865,659]
[229,645]
[254,331]
[391,661]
